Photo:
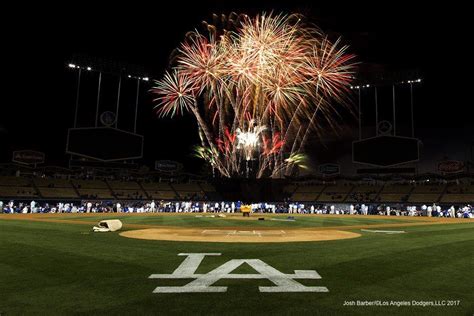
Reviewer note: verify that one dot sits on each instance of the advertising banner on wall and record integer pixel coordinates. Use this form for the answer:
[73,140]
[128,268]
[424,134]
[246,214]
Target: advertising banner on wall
[329,169]
[451,166]
[28,157]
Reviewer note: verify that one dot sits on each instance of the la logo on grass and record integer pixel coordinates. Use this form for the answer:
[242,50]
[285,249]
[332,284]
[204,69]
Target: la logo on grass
[203,282]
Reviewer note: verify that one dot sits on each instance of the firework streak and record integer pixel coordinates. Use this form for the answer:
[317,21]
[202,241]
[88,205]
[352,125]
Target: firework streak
[257,88]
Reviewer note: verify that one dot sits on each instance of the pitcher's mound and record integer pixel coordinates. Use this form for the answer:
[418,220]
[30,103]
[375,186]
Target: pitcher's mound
[236,236]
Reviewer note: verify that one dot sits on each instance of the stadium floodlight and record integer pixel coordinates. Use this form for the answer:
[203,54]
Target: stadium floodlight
[413,81]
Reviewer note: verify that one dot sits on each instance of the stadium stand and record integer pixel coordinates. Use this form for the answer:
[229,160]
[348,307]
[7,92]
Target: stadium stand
[92,189]
[424,197]
[426,193]
[395,193]
[307,192]
[336,192]
[289,189]
[123,185]
[18,192]
[89,184]
[458,193]
[188,190]
[159,190]
[207,187]
[210,191]
[457,198]
[129,190]
[55,188]
[66,187]
[17,187]
[95,194]
[364,193]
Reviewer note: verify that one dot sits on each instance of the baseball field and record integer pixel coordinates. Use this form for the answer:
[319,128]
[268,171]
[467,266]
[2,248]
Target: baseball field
[53,264]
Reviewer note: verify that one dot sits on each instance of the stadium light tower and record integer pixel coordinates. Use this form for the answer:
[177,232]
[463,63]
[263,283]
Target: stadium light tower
[90,140]
[76,111]
[107,67]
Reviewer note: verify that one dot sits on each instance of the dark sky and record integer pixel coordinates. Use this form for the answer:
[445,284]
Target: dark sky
[39,41]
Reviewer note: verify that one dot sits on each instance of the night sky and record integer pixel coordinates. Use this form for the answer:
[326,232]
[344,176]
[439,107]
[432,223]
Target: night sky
[39,41]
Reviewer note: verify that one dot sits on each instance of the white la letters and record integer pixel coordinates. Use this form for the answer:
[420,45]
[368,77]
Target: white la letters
[203,282]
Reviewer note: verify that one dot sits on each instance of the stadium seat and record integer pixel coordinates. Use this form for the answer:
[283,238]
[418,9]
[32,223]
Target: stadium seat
[458,198]
[90,184]
[424,197]
[126,185]
[17,187]
[58,192]
[95,193]
[13,192]
[335,192]
[14,181]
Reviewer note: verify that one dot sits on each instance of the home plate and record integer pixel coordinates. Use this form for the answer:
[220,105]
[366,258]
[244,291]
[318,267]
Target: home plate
[384,231]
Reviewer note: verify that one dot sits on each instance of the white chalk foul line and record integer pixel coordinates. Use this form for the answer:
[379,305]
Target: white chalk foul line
[384,231]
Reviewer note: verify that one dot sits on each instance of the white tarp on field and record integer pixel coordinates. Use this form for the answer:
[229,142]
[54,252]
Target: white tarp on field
[109,225]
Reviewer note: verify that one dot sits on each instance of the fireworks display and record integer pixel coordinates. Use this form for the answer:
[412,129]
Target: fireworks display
[257,88]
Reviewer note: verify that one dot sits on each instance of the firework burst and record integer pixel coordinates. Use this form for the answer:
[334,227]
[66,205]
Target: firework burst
[176,94]
[257,88]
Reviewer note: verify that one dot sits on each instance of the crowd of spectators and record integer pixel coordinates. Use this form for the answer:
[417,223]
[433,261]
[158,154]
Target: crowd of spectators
[143,206]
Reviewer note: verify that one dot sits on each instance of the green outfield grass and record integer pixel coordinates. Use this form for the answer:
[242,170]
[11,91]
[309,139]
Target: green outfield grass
[63,268]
